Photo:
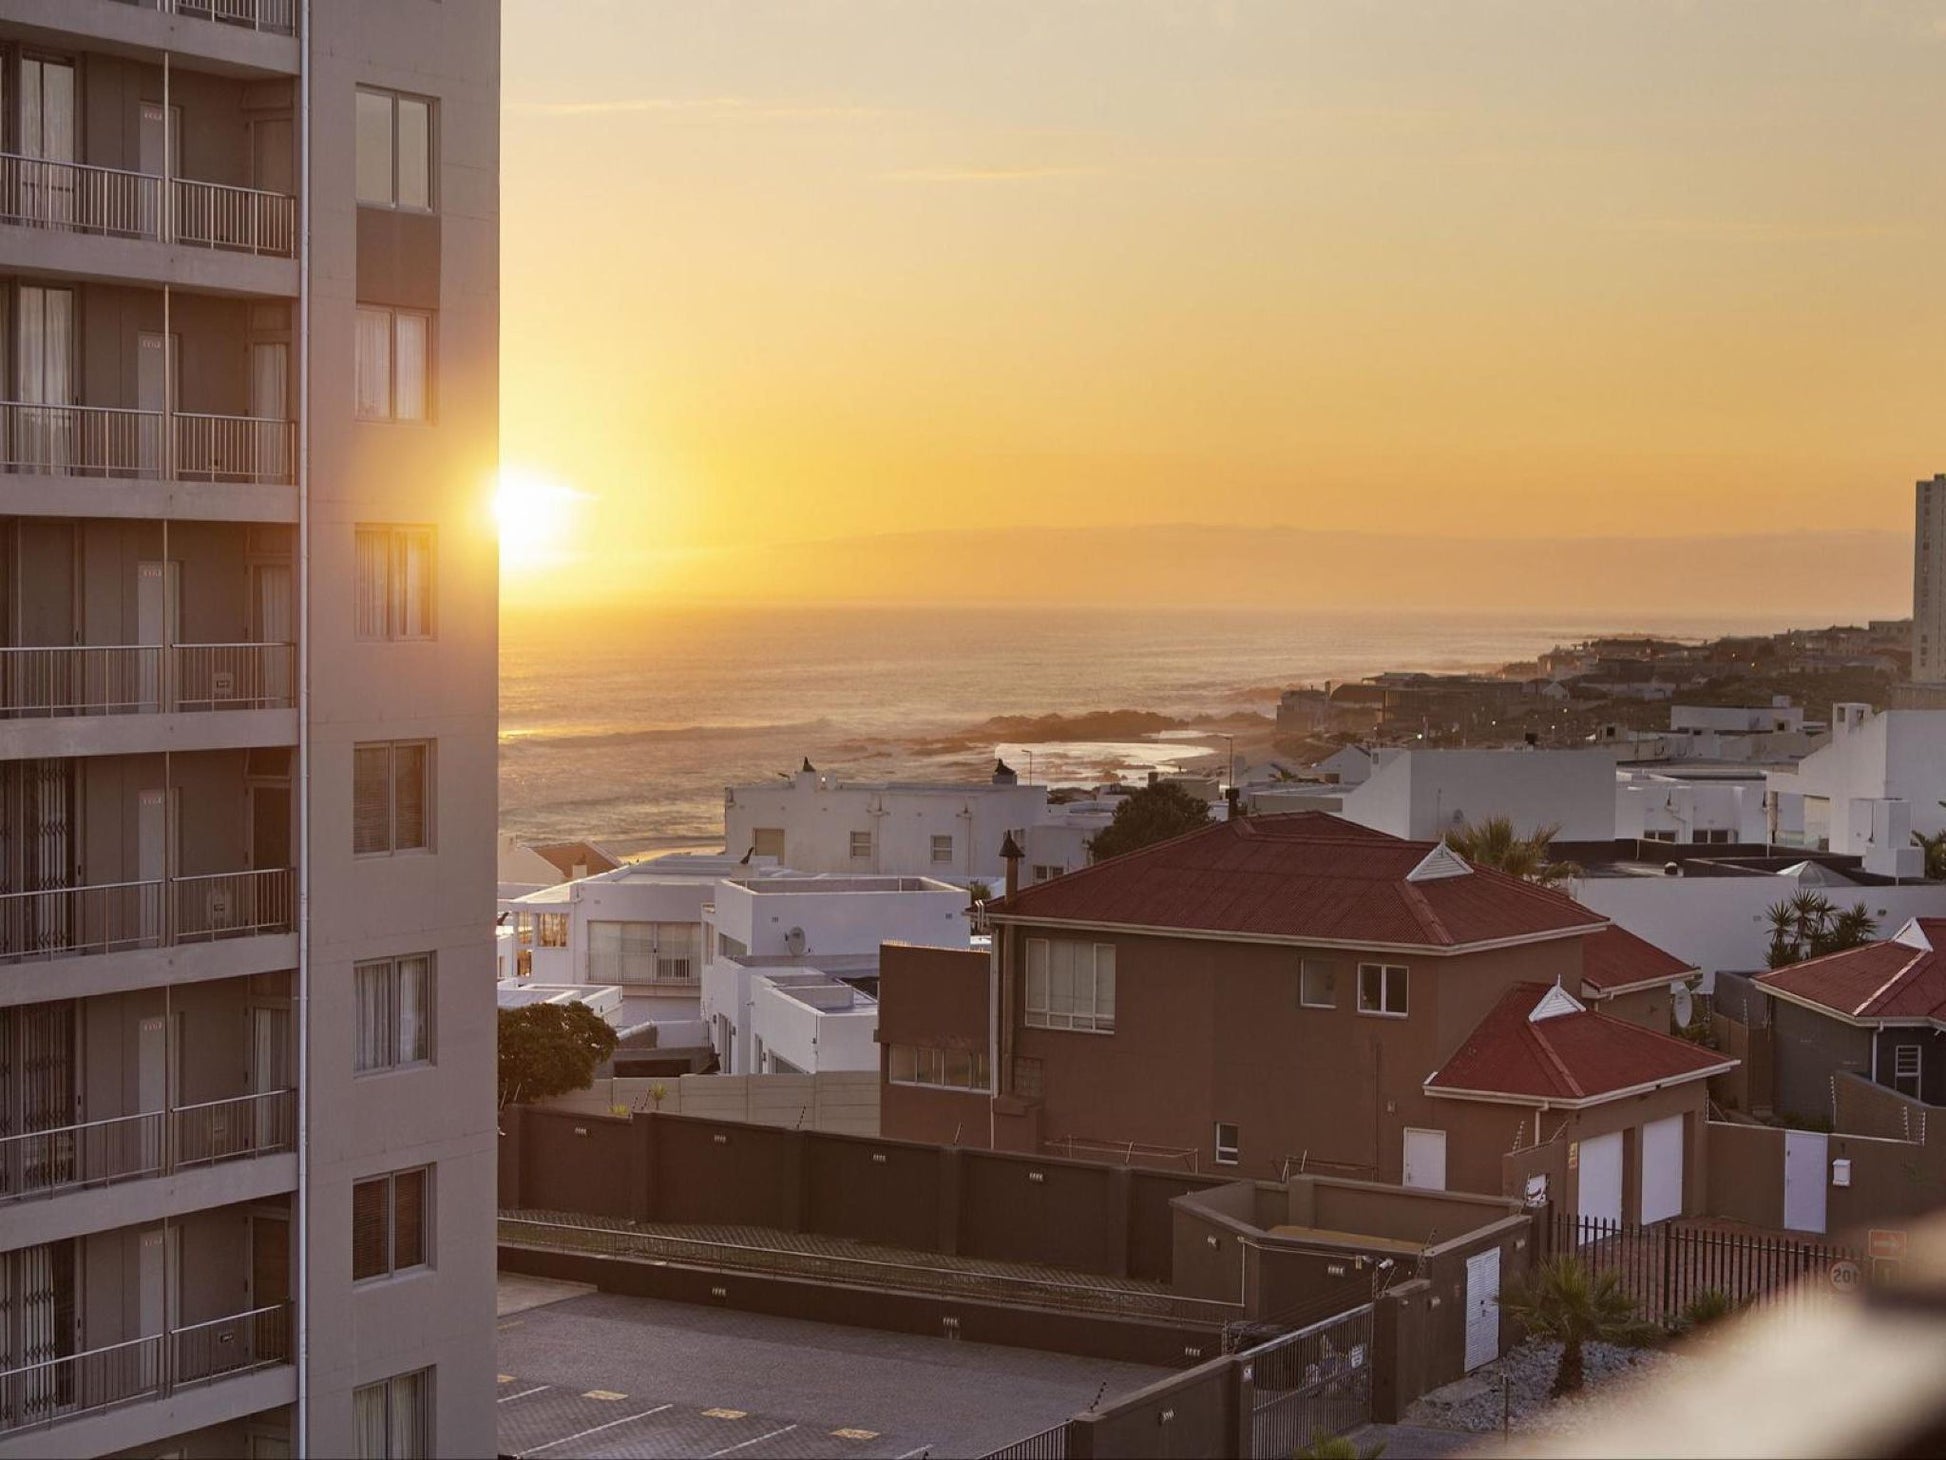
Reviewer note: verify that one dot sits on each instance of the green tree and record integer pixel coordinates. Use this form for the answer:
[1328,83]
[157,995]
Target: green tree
[1153,814]
[1810,925]
[1561,1300]
[1935,846]
[1495,843]
[550,1049]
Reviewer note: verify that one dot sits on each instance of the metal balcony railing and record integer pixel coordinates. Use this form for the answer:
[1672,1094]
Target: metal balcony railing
[53,1390]
[72,922]
[57,681]
[135,1147]
[279,17]
[78,197]
[110,441]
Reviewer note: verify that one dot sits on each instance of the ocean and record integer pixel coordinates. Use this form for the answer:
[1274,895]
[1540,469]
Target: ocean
[624,727]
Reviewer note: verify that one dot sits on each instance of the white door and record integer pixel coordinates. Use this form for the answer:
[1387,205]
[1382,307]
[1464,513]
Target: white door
[1662,1170]
[270,1071]
[154,138]
[270,373]
[48,125]
[158,624]
[1804,1192]
[1600,1198]
[1425,1159]
[1482,1308]
[157,368]
[153,864]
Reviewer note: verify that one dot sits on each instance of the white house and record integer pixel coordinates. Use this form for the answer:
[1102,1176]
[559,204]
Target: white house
[527,866]
[1698,807]
[832,927]
[1059,843]
[1838,796]
[1425,794]
[817,823]
[805,1021]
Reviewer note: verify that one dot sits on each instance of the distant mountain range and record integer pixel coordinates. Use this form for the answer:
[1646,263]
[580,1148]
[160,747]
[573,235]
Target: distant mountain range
[1804,577]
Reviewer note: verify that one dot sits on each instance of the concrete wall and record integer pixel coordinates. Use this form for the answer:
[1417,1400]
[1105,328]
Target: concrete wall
[842,1102]
[840,919]
[1891,1180]
[1807,1050]
[1422,794]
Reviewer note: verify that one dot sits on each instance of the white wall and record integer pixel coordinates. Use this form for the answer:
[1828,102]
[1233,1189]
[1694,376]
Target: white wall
[1648,802]
[1423,794]
[814,1040]
[1896,754]
[839,919]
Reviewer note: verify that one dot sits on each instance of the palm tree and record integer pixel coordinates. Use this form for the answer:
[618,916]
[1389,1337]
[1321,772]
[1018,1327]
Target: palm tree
[1561,1300]
[1494,843]
[1810,926]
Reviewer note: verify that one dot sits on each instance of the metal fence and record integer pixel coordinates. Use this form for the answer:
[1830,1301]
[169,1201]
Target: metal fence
[66,922]
[133,1147]
[1669,1265]
[1317,1381]
[279,17]
[77,197]
[108,441]
[133,679]
[143,1368]
[232,904]
[1049,1444]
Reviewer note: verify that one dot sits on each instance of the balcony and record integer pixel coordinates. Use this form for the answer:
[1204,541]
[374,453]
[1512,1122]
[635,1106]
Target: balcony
[112,442]
[75,197]
[72,922]
[145,679]
[137,1147]
[55,1390]
[277,17]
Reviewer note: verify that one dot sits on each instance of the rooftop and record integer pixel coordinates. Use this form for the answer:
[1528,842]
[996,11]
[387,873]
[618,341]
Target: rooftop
[1305,877]
[1902,978]
[1616,959]
[1540,1044]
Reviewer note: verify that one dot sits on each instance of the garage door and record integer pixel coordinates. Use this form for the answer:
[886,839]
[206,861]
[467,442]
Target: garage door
[1600,1200]
[1662,1170]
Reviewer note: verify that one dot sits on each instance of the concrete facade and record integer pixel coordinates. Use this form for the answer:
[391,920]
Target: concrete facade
[187,673]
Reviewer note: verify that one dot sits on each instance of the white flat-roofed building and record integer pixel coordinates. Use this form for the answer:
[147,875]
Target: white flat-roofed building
[1690,807]
[1929,582]
[805,1021]
[1427,794]
[1841,796]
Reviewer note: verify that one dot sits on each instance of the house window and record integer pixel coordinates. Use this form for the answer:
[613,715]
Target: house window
[394,150]
[1906,1068]
[394,1418]
[1318,984]
[768,841]
[388,1223]
[644,952]
[393,998]
[1663,835]
[392,363]
[524,929]
[1070,985]
[553,930]
[1047,873]
[391,797]
[1381,989]
[942,851]
[947,1069]
[1228,1144]
[394,595]
[861,845]
[1714,836]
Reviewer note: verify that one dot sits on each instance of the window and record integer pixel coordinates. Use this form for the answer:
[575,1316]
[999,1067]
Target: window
[1381,989]
[767,841]
[942,851]
[391,797]
[1070,985]
[392,363]
[1228,1144]
[394,150]
[394,1417]
[644,952]
[1650,834]
[728,947]
[554,930]
[861,845]
[388,1223]
[393,999]
[1317,984]
[394,594]
[1714,836]
[949,1069]
[524,929]
[1906,1070]
[1047,873]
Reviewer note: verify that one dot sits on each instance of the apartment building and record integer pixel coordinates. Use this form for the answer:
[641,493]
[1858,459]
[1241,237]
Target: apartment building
[248,424]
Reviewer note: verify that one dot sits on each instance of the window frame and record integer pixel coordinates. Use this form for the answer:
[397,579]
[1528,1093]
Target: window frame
[638,958]
[390,416]
[1234,1145]
[551,929]
[392,1269]
[396,539]
[1094,1021]
[935,849]
[856,855]
[428,1413]
[1385,972]
[1917,1074]
[1305,968]
[393,132]
[928,1067]
[393,968]
[429,797]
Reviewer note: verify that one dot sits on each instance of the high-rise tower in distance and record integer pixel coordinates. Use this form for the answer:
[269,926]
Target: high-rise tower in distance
[1929,582]
[248,585]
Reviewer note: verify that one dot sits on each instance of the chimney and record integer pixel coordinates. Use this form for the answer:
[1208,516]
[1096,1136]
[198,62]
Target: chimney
[1003,774]
[1235,798]
[1010,853]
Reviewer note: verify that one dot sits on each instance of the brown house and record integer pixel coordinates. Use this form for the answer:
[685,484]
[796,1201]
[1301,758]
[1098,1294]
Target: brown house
[1630,978]
[1281,994]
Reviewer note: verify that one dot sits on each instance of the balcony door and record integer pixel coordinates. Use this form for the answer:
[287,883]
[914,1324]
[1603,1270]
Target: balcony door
[158,626]
[270,385]
[47,140]
[158,366]
[44,374]
[155,859]
[270,1072]
[161,136]
[39,852]
[37,1093]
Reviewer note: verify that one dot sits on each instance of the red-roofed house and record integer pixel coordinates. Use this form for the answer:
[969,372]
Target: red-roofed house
[1878,1011]
[1628,977]
[1276,994]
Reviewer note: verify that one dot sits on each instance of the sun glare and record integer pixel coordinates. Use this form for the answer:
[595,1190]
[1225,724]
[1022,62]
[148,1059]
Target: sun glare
[535,514]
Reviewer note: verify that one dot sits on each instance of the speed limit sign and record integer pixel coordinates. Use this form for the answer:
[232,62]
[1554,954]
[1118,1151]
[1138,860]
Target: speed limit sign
[1844,1275]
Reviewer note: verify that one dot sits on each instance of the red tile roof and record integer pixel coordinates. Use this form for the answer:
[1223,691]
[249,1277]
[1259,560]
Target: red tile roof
[1899,978]
[1303,876]
[1569,1058]
[1615,958]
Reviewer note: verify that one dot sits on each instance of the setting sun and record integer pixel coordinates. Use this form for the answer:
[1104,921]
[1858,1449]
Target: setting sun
[535,514]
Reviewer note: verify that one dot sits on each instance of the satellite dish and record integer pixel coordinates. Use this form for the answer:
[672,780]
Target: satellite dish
[1682,1004]
[794,942]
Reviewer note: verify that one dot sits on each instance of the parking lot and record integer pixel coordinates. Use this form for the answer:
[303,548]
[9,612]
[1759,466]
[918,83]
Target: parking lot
[585,1374]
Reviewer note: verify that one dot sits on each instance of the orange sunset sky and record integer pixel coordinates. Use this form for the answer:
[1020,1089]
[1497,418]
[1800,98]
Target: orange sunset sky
[797,294]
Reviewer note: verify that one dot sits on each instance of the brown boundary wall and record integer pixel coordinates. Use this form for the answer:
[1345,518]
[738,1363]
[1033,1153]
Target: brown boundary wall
[1890,1179]
[652,1167]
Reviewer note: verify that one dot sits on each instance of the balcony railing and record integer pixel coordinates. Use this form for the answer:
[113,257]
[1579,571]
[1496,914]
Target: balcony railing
[70,922]
[110,441]
[78,197]
[58,681]
[279,17]
[136,1147]
[144,1368]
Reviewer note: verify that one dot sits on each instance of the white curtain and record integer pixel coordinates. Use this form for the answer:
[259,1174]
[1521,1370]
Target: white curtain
[373,1432]
[415,997]
[371,584]
[409,386]
[372,349]
[411,1437]
[414,610]
[376,1021]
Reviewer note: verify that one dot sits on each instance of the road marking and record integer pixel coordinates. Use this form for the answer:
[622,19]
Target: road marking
[726,1414]
[919,1454]
[603,1394]
[504,1398]
[504,1378]
[853,1434]
[514,1323]
[732,1449]
[583,1434]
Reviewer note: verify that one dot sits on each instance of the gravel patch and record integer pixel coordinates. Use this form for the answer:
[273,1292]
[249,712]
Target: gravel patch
[1474,1403]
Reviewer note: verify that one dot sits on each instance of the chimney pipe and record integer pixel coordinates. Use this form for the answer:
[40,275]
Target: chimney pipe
[1235,798]
[1011,854]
